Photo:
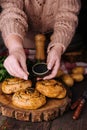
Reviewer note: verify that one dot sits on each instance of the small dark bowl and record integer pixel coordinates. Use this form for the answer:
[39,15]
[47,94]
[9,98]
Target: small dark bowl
[40,69]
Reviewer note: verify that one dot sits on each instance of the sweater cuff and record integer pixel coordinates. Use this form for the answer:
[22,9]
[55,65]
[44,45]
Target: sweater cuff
[13,28]
[55,43]
[62,39]
[52,44]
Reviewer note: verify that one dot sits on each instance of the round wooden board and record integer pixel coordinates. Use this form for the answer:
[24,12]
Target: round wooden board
[51,110]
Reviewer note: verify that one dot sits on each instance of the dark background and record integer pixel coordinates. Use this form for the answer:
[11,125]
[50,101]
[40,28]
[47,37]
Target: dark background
[80,38]
[82,27]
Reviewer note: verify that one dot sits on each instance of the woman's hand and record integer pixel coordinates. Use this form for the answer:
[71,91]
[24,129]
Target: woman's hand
[53,61]
[15,63]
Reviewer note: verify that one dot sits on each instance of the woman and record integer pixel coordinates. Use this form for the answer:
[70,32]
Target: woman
[30,17]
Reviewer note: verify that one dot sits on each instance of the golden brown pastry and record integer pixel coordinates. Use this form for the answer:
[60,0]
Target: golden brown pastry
[51,88]
[12,85]
[78,70]
[28,99]
[68,80]
[59,73]
[77,77]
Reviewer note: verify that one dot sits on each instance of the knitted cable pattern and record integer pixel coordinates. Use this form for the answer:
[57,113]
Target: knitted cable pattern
[59,16]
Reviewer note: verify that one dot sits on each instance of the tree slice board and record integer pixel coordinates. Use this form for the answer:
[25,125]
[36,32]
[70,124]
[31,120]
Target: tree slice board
[51,110]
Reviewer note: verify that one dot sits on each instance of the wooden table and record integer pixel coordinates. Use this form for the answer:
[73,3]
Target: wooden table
[64,122]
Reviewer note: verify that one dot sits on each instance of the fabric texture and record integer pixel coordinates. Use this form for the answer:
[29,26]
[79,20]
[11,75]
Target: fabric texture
[67,66]
[41,16]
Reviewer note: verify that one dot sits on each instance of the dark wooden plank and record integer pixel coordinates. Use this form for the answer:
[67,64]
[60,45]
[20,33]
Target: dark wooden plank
[13,124]
[67,123]
[2,119]
[64,122]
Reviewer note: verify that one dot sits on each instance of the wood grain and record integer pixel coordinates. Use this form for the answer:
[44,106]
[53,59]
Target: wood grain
[51,110]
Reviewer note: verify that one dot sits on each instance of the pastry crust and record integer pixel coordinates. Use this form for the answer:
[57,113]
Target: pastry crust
[68,80]
[78,70]
[59,73]
[77,77]
[51,88]
[12,85]
[28,99]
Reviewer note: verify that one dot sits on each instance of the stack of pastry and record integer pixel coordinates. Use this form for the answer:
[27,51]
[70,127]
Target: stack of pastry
[26,97]
[23,95]
[51,88]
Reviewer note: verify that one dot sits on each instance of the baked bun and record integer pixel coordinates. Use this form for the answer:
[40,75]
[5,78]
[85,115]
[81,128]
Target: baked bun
[59,73]
[12,85]
[68,80]
[77,77]
[51,88]
[78,70]
[28,99]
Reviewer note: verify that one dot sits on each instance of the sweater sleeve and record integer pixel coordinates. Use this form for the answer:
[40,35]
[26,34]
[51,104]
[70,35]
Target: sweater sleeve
[66,21]
[13,20]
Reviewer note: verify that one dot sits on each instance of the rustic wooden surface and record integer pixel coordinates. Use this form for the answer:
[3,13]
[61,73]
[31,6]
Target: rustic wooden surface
[64,122]
[52,109]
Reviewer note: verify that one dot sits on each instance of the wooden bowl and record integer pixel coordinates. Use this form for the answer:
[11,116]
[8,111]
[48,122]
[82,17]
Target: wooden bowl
[40,69]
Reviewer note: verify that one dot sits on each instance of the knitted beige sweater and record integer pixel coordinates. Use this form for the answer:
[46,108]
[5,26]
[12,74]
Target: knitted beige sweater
[60,16]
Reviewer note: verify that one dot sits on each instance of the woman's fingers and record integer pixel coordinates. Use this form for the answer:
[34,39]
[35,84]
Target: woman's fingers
[54,71]
[23,65]
[53,63]
[13,67]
